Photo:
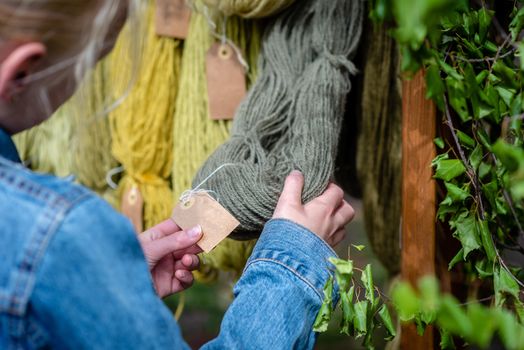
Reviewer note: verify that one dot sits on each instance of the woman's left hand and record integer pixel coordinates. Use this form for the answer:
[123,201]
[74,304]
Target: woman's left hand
[171,256]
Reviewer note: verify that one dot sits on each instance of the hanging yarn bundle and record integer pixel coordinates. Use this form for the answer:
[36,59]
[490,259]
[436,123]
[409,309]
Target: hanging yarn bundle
[43,147]
[91,144]
[249,8]
[142,126]
[381,136]
[292,115]
[196,136]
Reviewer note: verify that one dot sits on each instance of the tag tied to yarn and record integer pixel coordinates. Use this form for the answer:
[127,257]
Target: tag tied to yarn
[132,207]
[172,18]
[197,207]
[201,209]
[226,80]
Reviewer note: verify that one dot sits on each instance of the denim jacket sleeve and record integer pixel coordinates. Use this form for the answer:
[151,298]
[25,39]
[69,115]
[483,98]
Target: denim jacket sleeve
[280,292]
[93,289]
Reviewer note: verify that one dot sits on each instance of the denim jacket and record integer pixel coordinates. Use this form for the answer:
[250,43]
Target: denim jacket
[73,276]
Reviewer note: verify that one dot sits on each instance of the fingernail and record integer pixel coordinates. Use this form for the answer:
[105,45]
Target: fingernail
[295,172]
[195,231]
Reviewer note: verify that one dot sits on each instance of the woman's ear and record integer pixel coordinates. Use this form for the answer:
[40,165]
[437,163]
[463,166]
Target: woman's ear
[18,63]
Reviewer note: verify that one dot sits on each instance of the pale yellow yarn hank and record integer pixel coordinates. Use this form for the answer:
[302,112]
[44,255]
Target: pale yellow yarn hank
[142,126]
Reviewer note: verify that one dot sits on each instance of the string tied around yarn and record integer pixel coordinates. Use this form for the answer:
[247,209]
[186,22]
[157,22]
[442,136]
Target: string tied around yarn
[188,194]
[339,61]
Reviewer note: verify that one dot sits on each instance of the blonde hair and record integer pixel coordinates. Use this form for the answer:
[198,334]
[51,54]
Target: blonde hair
[75,33]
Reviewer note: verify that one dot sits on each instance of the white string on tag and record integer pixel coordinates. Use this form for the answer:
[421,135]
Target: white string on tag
[186,195]
[222,37]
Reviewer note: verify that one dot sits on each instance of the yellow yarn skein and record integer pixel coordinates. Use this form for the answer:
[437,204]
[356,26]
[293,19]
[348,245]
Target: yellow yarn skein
[142,126]
[196,136]
[249,8]
[43,147]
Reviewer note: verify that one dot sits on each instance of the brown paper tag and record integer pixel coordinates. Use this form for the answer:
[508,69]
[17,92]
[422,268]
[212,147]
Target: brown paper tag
[172,18]
[216,222]
[226,81]
[132,207]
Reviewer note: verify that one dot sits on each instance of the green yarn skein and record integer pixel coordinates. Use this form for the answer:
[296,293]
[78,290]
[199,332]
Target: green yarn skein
[292,115]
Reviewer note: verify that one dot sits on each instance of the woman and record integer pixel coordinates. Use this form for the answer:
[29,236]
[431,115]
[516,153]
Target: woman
[73,273]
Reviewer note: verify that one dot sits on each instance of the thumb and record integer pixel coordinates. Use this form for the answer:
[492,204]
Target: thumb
[157,249]
[292,192]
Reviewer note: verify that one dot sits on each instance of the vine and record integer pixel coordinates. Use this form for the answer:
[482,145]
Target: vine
[472,53]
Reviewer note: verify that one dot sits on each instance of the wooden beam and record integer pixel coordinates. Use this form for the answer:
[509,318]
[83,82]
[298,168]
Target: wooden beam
[418,195]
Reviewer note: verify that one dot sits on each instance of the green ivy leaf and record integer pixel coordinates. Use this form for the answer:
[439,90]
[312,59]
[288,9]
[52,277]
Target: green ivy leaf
[361,309]
[383,313]
[343,272]
[439,142]
[435,86]
[487,240]
[359,247]
[465,140]
[448,169]
[466,232]
[455,193]
[484,22]
[475,157]
[457,98]
[505,94]
[482,323]
[452,318]
[516,24]
[348,312]
[405,301]
[504,285]
[456,259]
[508,329]
[429,299]
[367,280]
[326,310]
[446,340]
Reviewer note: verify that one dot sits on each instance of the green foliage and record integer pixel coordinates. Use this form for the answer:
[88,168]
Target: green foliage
[475,323]
[362,307]
[475,75]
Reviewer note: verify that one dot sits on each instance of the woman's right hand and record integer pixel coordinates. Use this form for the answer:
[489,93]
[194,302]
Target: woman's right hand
[325,215]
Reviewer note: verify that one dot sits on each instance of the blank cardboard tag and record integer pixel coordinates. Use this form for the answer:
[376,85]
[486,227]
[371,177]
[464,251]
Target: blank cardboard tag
[132,207]
[216,222]
[172,18]
[226,81]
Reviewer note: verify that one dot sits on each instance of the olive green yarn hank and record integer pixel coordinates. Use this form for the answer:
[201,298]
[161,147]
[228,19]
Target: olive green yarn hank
[379,165]
[292,115]
[196,136]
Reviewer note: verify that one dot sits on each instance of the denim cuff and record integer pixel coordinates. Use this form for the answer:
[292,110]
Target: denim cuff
[296,248]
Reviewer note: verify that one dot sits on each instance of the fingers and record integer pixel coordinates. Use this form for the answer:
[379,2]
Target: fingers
[194,249]
[184,277]
[178,241]
[333,195]
[188,262]
[292,192]
[338,237]
[344,214]
[165,228]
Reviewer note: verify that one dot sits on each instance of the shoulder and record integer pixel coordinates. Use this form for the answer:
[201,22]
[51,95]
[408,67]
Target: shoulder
[38,212]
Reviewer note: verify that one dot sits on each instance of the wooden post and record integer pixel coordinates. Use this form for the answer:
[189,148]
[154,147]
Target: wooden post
[418,195]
